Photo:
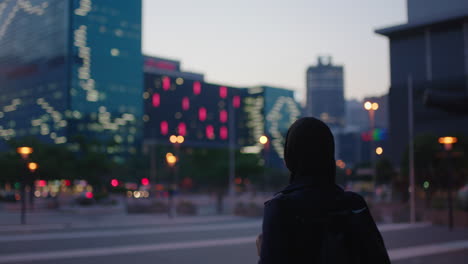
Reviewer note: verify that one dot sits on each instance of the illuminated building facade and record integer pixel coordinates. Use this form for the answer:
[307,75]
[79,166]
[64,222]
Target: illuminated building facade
[269,111]
[325,92]
[199,111]
[71,68]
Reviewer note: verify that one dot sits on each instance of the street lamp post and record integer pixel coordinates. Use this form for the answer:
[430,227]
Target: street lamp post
[448,145]
[32,166]
[24,152]
[265,142]
[371,107]
[171,161]
[176,141]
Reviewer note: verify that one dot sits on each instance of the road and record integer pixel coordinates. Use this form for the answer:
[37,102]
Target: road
[198,240]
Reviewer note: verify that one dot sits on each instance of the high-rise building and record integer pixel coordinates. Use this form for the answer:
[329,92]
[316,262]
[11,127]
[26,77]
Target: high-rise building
[70,68]
[325,92]
[269,112]
[427,54]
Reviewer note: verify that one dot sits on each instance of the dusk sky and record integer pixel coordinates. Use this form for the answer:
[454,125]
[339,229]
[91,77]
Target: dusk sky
[272,42]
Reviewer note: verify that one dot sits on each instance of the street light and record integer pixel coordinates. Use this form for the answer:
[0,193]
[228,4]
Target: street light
[263,140]
[24,152]
[32,166]
[379,151]
[448,142]
[448,145]
[171,159]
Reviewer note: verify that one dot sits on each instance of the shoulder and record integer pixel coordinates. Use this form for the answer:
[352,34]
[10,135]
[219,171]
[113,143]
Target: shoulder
[355,201]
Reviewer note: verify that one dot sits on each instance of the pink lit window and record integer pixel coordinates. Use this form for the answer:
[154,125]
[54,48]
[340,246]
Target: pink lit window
[236,101]
[209,131]
[196,88]
[202,113]
[223,91]
[156,100]
[223,132]
[185,103]
[223,116]
[166,83]
[182,129]
[164,128]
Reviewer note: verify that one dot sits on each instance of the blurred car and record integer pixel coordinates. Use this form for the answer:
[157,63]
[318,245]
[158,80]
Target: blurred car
[8,196]
[85,198]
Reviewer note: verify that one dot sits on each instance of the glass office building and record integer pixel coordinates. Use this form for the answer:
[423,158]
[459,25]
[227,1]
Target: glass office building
[70,68]
[269,111]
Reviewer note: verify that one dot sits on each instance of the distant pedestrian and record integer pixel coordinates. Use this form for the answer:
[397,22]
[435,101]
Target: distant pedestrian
[313,220]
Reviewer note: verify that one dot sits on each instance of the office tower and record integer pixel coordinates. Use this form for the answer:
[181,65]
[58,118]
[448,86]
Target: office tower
[325,92]
[71,69]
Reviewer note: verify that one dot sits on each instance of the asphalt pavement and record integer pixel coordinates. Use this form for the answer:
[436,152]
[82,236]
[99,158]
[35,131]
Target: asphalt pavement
[216,239]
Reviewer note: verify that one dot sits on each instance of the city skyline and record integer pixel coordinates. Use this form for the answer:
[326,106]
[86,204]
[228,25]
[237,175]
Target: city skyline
[246,44]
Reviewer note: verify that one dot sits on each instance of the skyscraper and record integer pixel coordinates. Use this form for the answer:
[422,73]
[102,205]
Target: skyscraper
[71,68]
[325,92]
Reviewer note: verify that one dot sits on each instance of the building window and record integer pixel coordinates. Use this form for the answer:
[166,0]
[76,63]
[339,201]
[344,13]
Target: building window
[156,100]
[164,128]
[209,131]
[196,88]
[202,114]
[223,92]
[223,132]
[185,103]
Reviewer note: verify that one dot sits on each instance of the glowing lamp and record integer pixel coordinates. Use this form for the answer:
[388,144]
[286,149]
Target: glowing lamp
[448,142]
[368,105]
[263,140]
[379,151]
[375,106]
[24,151]
[173,139]
[180,139]
[32,166]
[171,159]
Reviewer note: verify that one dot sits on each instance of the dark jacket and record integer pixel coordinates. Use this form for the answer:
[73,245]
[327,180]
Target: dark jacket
[298,220]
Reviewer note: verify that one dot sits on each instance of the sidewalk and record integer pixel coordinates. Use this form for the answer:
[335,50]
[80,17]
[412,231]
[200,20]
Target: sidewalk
[10,221]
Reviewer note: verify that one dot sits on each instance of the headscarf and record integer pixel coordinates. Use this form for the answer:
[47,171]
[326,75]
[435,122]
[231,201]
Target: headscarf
[309,153]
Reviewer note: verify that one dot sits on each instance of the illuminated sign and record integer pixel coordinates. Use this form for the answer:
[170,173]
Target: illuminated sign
[378,134]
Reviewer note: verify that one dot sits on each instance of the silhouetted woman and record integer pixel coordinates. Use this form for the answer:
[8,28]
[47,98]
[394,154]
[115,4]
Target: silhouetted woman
[313,220]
